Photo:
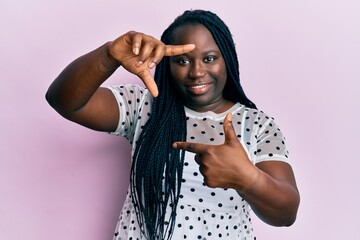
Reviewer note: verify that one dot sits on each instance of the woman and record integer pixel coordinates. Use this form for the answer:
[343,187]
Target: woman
[202,153]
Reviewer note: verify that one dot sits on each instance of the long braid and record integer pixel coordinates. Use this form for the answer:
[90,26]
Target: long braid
[157,168]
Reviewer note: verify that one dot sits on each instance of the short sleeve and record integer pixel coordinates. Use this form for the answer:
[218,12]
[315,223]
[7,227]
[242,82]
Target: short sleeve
[271,143]
[132,101]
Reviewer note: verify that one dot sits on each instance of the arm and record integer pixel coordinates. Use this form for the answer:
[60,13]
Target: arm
[76,93]
[273,194]
[269,187]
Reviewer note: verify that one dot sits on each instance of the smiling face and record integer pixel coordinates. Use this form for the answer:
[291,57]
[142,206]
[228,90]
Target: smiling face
[200,75]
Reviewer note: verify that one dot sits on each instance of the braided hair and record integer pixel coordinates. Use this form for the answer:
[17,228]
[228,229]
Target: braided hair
[156,172]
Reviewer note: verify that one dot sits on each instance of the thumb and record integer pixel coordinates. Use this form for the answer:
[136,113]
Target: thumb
[230,135]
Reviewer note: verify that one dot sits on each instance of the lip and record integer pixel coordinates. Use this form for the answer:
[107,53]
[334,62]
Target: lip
[197,89]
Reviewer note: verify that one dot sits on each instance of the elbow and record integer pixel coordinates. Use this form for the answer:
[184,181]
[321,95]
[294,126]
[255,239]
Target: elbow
[55,99]
[285,214]
[49,98]
[289,221]
[54,102]
[290,213]
[285,219]
[61,104]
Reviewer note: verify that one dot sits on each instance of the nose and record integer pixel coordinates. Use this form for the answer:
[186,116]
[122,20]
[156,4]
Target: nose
[197,70]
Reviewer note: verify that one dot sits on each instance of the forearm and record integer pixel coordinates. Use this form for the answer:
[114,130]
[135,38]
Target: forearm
[274,201]
[75,85]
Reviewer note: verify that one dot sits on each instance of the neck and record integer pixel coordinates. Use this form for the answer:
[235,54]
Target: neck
[215,107]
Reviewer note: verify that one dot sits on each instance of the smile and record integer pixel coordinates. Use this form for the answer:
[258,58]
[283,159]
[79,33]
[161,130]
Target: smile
[198,89]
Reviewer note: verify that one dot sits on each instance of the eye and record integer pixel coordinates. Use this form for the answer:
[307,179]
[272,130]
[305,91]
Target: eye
[209,59]
[182,61]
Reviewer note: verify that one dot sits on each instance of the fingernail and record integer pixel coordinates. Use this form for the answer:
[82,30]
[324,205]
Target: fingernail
[139,63]
[152,65]
[136,51]
[229,115]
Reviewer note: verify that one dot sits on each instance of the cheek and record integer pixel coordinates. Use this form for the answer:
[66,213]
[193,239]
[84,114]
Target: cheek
[174,73]
[225,77]
[221,73]
[224,72]
[177,74]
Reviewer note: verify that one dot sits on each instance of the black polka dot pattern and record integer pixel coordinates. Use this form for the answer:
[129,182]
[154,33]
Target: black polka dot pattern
[203,212]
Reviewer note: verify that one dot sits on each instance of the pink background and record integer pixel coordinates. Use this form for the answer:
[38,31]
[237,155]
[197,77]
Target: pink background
[299,61]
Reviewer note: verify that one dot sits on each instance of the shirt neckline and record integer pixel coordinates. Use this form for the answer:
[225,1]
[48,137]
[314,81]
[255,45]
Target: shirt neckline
[216,116]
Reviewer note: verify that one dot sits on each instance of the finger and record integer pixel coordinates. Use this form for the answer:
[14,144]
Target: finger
[136,40]
[229,130]
[190,147]
[172,50]
[149,82]
[146,52]
[157,55]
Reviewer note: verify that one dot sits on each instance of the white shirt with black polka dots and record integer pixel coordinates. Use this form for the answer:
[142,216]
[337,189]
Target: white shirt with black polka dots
[203,212]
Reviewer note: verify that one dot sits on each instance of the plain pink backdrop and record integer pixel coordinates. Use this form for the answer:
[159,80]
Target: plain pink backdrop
[299,62]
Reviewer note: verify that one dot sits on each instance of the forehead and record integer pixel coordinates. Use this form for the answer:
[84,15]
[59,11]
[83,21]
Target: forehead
[196,34]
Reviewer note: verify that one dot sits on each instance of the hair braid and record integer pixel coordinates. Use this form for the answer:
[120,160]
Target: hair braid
[157,168]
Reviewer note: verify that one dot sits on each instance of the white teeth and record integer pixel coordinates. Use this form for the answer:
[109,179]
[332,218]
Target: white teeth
[198,86]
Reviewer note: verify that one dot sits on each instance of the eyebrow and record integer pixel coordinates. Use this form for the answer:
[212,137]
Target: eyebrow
[212,52]
[209,52]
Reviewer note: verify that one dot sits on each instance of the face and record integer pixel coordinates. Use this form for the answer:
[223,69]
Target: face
[200,75]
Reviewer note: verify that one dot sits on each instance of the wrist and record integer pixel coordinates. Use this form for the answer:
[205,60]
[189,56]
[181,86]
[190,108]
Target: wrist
[249,180]
[107,62]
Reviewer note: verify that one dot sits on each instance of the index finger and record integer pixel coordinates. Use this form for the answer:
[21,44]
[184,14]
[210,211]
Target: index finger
[190,147]
[172,50]
[149,82]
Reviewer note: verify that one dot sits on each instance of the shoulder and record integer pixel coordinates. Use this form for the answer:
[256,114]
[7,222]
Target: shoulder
[128,89]
[131,93]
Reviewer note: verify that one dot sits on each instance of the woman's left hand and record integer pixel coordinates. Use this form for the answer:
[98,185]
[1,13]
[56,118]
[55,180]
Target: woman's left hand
[226,165]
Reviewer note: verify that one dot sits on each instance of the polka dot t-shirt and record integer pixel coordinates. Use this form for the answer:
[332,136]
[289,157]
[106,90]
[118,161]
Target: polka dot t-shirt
[202,212]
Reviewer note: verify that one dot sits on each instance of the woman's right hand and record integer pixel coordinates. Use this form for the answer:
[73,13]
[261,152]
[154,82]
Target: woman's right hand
[138,53]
